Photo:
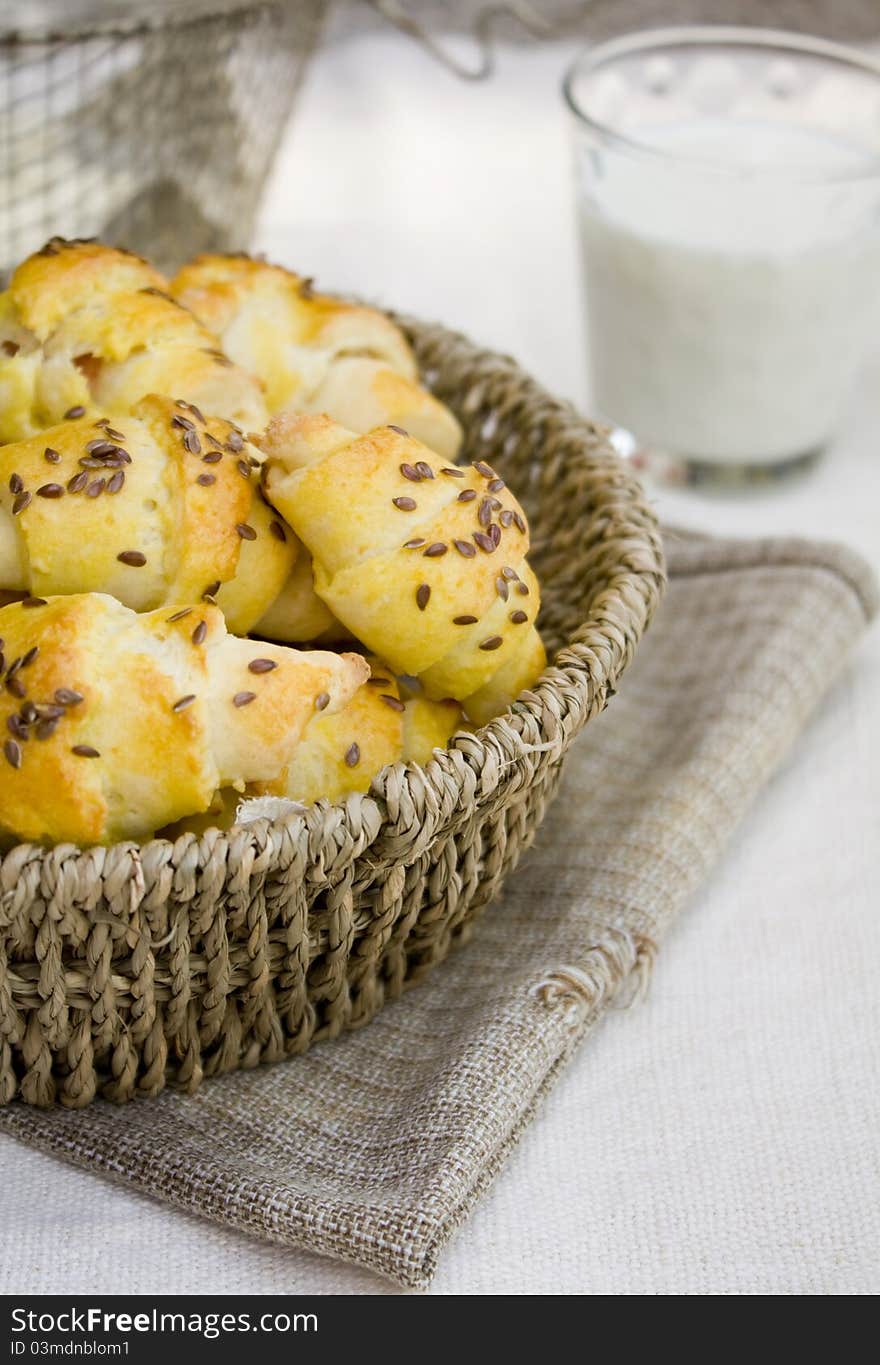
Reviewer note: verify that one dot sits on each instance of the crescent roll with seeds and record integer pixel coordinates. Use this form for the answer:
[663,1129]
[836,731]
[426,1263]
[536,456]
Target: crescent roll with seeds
[115,724]
[343,751]
[314,353]
[162,508]
[423,562]
[85,325]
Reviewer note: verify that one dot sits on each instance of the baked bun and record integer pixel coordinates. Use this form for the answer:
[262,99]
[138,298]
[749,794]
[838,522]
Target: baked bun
[314,353]
[159,509]
[344,751]
[424,563]
[117,724]
[86,325]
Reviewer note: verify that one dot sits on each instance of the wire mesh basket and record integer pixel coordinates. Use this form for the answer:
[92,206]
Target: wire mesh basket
[153,126]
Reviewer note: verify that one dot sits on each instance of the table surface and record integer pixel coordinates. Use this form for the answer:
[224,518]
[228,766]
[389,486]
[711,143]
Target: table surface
[732,1117]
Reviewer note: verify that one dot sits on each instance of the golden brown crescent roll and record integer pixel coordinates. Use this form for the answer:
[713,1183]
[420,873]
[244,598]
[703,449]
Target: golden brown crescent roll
[85,325]
[344,751]
[314,353]
[423,562]
[162,508]
[116,724]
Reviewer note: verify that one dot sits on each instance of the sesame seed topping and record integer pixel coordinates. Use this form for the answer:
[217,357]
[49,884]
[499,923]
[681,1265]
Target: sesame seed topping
[484,516]
[197,412]
[191,442]
[243,698]
[496,485]
[378,682]
[415,544]
[34,602]
[502,589]
[506,518]
[423,594]
[510,574]
[113,433]
[200,633]
[322,701]
[15,686]
[353,755]
[246,532]
[401,431]
[96,488]
[405,504]
[464,620]
[78,482]
[278,531]
[452,473]
[85,751]
[179,615]
[22,501]
[243,468]
[16,483]
[212,457]
[182,423]
[424,470]
[494,534]
[72,413]
[410,472]
[50,490]
[493,642]
[183,702]
[519,523]
[206,480]
[12,750]
[467,495]
[133,558]
[235,441]
[65,696]
[52,456]
[485,543]
[394,702]
[46,727]
[482,468]
[436,550]
[261,665]
[519,617]
[522,589]
[116,481]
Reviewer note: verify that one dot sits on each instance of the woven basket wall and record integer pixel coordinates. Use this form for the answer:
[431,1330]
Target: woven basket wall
[124,969]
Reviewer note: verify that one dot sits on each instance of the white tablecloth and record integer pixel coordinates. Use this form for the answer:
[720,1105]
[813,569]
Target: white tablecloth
[733,1118]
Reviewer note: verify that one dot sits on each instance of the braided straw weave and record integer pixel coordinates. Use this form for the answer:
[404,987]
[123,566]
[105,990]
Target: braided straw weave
[123,969]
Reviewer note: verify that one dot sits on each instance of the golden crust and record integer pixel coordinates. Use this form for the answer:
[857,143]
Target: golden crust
[118,724]
[193,523]
[343,752]
[424,563]
[83,324]
[312,352]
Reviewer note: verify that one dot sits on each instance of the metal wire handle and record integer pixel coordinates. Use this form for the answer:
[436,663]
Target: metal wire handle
[536,24]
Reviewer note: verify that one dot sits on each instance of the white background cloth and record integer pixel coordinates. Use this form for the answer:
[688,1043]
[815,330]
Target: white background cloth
[722,1137]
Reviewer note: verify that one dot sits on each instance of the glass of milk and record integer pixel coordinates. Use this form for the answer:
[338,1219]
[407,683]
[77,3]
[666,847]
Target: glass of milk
[728,186]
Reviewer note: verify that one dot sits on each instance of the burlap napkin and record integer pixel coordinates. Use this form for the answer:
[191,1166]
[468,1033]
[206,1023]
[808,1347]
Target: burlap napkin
[374,1148]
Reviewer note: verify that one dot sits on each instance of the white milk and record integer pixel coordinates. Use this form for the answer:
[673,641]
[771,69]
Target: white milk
[728,313]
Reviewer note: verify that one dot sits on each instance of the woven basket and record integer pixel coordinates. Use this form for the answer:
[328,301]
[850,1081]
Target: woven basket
[124,969]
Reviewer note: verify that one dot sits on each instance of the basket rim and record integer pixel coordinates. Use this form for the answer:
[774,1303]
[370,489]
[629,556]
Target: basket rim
[590,673]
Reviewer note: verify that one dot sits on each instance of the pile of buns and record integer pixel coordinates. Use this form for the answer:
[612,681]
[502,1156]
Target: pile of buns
[190,470]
